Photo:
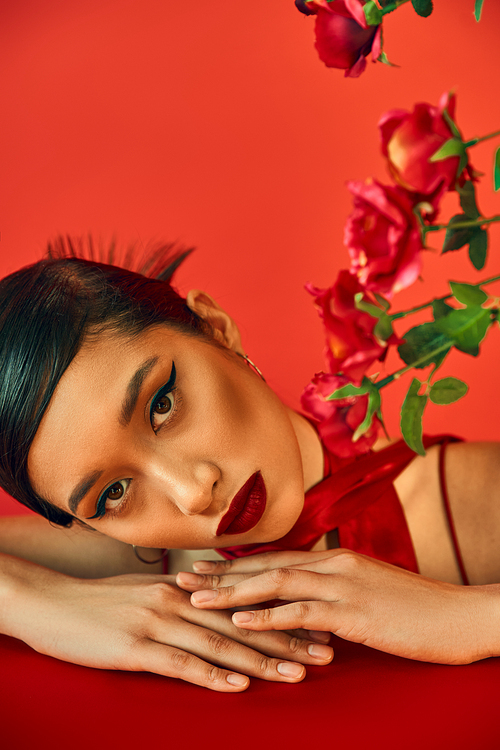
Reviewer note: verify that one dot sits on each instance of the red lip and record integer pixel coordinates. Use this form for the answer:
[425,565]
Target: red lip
[246,509]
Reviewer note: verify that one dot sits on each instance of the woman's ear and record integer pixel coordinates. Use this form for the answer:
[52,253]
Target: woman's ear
[224,328]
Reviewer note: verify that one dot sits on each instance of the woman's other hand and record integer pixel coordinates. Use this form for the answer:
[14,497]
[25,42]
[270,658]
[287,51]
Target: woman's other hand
[143,623]
[357,598]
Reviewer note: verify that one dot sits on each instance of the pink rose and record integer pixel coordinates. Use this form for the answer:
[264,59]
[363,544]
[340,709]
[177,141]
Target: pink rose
[343,37]
[383,237]
[409,139]
[339,419]
[350,343]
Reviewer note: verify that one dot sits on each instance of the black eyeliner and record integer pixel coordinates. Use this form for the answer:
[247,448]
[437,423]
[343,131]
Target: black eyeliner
[101,505]
[164,390]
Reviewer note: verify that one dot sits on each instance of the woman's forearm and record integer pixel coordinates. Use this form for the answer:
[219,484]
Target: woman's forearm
[76,551]
[21,581]
[485,615]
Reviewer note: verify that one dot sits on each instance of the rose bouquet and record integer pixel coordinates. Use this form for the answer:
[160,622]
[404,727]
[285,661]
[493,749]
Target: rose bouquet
[385,236]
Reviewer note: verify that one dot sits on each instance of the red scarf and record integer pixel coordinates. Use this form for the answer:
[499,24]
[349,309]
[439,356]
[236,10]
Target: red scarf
[358,498]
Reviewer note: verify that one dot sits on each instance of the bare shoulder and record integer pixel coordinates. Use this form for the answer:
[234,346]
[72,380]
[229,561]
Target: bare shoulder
[472,480]
[473,465]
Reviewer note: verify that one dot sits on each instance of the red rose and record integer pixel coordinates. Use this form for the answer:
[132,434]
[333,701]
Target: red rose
[350,343]
[383,237]
[409,139]
[339,419]
[343,37]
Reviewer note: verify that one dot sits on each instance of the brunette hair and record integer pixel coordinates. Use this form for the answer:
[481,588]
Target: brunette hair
[47,310]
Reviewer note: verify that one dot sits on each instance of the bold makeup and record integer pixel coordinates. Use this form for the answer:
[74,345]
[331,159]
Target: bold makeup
[246,509]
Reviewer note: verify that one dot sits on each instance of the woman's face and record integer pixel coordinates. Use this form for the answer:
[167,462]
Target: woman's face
[159,461]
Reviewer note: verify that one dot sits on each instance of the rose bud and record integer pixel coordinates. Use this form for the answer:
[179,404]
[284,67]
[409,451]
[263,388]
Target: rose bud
[343,37]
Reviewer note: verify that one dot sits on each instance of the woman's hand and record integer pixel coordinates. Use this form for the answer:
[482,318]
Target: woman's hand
[357,598]
[144,623]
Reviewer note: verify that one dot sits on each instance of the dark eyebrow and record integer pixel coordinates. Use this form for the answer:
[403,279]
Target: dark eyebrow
[128,406]
[81,490]
[133,390]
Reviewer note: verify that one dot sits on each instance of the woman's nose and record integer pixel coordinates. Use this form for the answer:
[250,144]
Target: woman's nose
[193,498]
[192,488]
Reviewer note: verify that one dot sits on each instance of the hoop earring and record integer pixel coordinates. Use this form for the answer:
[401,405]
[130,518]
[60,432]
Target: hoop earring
[149,562]
[251,365]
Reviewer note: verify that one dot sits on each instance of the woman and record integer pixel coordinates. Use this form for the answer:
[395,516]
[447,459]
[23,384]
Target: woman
[130,418]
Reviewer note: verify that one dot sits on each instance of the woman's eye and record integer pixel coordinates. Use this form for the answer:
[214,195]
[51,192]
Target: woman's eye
[112,499]
[114,494]
[161,408]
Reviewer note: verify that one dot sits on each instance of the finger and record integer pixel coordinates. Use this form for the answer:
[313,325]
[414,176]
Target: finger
[282,583]
[317,636]
[259,563]
[175,662]
[289,646]
[225,652]
[305,614]
[196,581]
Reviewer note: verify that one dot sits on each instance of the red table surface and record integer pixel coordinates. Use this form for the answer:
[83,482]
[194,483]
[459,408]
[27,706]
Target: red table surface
[364,699]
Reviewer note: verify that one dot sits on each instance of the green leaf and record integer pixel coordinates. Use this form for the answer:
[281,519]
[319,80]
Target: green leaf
[496,170]
[373,407]
[383,302]
[440,308]
[383,330]
[367,307]
[422,7]
[384,59]
[478,248]
[478,9]
[451,123]
[456,238]
[372,13]
[424,345]
[447,391]
[351,390]
[468,294]
[453,147]
[412,411]
[467,328]
[467,195]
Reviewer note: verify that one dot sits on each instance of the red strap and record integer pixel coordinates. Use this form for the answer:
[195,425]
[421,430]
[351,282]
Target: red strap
[446,502]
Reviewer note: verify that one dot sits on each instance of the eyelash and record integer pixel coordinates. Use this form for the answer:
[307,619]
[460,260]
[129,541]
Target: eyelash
[165,390]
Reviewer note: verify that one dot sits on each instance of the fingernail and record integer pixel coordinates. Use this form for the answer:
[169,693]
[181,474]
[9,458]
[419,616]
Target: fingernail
[241,617]
[238,680]
[288,669]
[319,635]
[320,652]
[190,579]
[204,566]
[203,596]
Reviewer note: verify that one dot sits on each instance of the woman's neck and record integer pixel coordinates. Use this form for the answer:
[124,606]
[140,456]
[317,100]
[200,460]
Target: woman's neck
[310,447]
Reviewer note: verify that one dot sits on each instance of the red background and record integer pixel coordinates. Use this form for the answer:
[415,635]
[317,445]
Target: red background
[214,123]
